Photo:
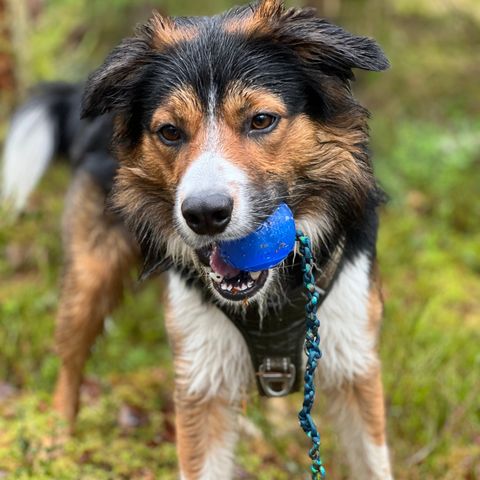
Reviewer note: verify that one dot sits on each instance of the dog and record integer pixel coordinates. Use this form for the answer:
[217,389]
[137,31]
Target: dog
[190,134]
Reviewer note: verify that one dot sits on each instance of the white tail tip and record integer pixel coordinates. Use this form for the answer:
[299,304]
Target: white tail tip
[29,148]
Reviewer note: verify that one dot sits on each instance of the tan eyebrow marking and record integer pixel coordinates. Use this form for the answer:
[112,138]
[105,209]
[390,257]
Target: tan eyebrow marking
[182,107]
[241,101]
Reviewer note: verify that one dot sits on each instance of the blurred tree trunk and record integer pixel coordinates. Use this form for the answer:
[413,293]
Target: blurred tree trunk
[7,61]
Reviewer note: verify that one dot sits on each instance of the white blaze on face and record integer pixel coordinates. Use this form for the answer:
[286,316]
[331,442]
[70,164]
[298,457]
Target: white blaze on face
[211,173]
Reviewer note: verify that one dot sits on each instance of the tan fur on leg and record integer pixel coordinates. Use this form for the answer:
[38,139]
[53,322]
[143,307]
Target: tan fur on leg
[99,255]
[203,427]
[358,412]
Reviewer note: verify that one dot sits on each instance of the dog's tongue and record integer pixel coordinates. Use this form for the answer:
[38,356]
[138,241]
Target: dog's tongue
[219,265]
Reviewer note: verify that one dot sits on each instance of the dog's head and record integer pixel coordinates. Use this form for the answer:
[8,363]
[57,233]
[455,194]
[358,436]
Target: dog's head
[218,120]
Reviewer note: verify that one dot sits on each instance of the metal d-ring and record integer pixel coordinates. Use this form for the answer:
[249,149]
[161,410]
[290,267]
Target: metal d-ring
[277,376]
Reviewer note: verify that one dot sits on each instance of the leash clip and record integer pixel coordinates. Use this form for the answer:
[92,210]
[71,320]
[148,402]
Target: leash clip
[276,376]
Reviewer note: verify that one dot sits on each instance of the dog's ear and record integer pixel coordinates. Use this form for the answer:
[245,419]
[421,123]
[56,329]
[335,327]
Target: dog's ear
[109,87]
[318,43]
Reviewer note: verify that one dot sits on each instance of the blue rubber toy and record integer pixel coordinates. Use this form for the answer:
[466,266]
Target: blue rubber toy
[265,247]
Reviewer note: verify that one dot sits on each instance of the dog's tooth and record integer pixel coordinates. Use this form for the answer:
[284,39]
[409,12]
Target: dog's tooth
[223,286]
[229,287]
[250,284]
[255,275]
[217,278]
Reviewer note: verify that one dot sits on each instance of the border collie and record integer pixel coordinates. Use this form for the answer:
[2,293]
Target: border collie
[191,133]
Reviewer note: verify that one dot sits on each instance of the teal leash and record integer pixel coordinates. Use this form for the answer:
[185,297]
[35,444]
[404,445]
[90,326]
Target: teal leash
[313,352]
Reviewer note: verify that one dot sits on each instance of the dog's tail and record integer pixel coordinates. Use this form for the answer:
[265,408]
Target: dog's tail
[38,132]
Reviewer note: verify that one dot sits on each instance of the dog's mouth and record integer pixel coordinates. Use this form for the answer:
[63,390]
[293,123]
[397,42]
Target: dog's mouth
[228,281]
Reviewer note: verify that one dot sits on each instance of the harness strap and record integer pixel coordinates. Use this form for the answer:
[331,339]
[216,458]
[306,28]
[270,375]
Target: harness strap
[275,344]
[275,340]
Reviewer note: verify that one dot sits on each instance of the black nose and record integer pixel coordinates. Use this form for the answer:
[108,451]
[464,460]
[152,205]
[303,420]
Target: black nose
[208,215]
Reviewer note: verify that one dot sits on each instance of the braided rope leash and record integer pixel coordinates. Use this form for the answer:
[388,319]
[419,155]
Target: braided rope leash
[312,350]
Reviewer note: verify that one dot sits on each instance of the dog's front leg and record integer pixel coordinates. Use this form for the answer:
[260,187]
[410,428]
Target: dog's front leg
[206,436]
[349,371]
[358,412]
[213,370]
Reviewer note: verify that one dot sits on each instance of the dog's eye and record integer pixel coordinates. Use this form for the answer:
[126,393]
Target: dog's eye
[170,135]
[263,122]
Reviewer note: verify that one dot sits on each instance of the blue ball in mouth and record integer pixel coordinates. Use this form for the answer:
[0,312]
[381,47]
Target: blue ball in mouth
[264,248]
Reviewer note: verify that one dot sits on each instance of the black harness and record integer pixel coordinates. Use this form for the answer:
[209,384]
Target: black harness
[275,342]
[275,339]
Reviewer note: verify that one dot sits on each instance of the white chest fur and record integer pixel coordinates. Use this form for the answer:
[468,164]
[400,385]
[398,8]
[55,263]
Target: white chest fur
[346,342]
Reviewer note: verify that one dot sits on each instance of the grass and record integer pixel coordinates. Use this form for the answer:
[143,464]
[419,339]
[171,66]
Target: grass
[429,251]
